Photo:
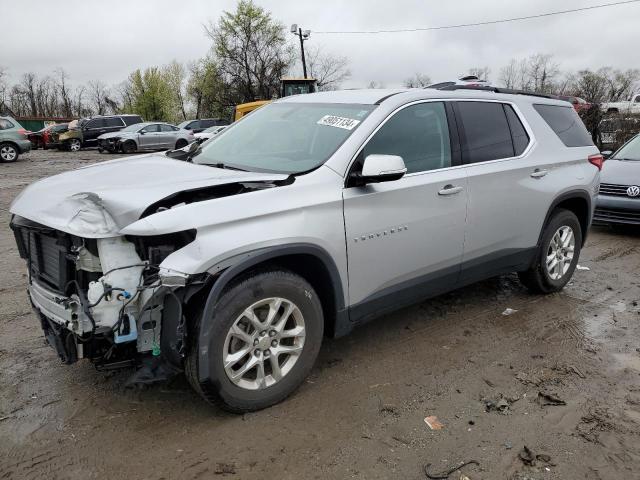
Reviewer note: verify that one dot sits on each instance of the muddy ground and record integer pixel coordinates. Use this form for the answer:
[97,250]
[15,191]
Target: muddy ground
[361,413]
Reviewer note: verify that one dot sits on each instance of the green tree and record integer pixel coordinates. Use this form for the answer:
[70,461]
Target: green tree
[206,90]
[251,53]
[150,94]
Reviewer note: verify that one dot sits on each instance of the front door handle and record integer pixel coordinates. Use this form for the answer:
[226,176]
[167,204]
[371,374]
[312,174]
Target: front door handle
[537,173]
[450,190]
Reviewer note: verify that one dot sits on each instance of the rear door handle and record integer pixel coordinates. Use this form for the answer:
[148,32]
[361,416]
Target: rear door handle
[537,173]
[450,190]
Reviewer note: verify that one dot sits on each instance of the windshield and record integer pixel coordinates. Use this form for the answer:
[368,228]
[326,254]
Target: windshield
[285,137]
[630,151]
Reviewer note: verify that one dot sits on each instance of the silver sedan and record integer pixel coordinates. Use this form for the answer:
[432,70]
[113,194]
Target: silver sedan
[145,136]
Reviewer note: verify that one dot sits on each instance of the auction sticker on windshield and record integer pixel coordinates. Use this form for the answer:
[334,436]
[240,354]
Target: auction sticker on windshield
[340,122]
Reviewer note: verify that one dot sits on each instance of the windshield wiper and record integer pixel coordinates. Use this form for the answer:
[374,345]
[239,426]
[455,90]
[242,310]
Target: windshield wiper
[226,166]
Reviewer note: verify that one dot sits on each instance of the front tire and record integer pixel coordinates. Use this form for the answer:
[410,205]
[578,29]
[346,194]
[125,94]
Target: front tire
[8,153]
[129,147]
[557,254]
[266,334]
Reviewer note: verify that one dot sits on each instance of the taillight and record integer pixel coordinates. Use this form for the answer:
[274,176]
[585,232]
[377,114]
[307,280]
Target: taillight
[597,160]
[23,131]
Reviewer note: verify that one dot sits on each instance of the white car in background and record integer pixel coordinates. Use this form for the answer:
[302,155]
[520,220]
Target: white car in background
[209,133]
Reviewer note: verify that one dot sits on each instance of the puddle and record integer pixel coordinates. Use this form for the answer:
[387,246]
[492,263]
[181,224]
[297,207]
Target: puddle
[628,360]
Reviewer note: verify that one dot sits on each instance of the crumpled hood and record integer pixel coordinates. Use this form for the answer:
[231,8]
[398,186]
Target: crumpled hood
[119,133]
[99,200]
[621,172]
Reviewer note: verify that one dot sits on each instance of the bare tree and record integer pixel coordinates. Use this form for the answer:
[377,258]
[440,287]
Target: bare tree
[328,69]
[375,84]
[481,72]
[98,93]
[419,80]
[542,72]
[65,94]
[537,73]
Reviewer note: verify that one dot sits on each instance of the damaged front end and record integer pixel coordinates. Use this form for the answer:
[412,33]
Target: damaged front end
[108,299]
[111,144]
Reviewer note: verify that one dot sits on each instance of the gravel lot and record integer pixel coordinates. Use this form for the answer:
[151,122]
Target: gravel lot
[361,413]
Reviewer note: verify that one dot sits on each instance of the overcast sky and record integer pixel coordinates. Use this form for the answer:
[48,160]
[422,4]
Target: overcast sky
[107,39]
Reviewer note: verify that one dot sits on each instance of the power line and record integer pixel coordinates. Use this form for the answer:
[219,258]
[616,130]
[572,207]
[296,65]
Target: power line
[490,22]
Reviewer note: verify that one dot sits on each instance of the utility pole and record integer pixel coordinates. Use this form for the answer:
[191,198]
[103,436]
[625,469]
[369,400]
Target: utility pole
[302,36]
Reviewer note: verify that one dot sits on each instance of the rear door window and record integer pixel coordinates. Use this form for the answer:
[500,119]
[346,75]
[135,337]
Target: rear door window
[486,131]
[151,128]
[113,122]
[566,124]
[167,128]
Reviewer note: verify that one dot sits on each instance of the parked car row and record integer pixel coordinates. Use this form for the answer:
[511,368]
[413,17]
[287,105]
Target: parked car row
[103,132]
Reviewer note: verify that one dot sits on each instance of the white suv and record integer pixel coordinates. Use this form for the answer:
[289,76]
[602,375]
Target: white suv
[312,215]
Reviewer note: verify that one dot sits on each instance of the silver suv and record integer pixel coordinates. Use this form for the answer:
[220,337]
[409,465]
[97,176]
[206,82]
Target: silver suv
[307,218]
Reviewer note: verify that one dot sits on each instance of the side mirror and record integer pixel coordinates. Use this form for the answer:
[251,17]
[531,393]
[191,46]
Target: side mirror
[606,154]
[142,132]
[185,153]
[380,168]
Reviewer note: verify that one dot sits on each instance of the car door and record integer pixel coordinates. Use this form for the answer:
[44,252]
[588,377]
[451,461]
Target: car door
[148,137]
[405,237]
[167,137]
[92,130]
[507,198]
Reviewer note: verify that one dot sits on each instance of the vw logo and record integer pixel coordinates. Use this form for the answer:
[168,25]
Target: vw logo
[633,191]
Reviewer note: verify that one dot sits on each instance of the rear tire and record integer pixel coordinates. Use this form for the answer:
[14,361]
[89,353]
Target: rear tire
[275,373]
[9,153]
[557,255]
[74,145]
[181,144]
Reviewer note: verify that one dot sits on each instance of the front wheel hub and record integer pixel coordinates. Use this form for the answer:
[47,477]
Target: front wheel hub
[264,343]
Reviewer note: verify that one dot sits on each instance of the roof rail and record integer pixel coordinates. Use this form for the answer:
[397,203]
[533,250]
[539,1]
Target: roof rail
[486,88]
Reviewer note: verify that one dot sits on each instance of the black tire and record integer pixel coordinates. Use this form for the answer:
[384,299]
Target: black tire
[537,278]
[218,388]
[9,153]
[129,147]
[181,143]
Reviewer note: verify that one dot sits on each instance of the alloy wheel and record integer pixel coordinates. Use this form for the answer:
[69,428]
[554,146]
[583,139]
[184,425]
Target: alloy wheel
[264,343]
[560,252]
[75,145]
[8,153]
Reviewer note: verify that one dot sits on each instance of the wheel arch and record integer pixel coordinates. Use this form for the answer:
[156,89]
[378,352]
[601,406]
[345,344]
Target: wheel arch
[13,144]
[577,201]
[311,262]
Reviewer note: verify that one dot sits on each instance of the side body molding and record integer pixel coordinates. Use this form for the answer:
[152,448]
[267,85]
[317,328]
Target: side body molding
[342,325]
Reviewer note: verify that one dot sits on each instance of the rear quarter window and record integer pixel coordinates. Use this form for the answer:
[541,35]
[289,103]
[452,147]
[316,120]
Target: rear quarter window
[566,124]
[5,124]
